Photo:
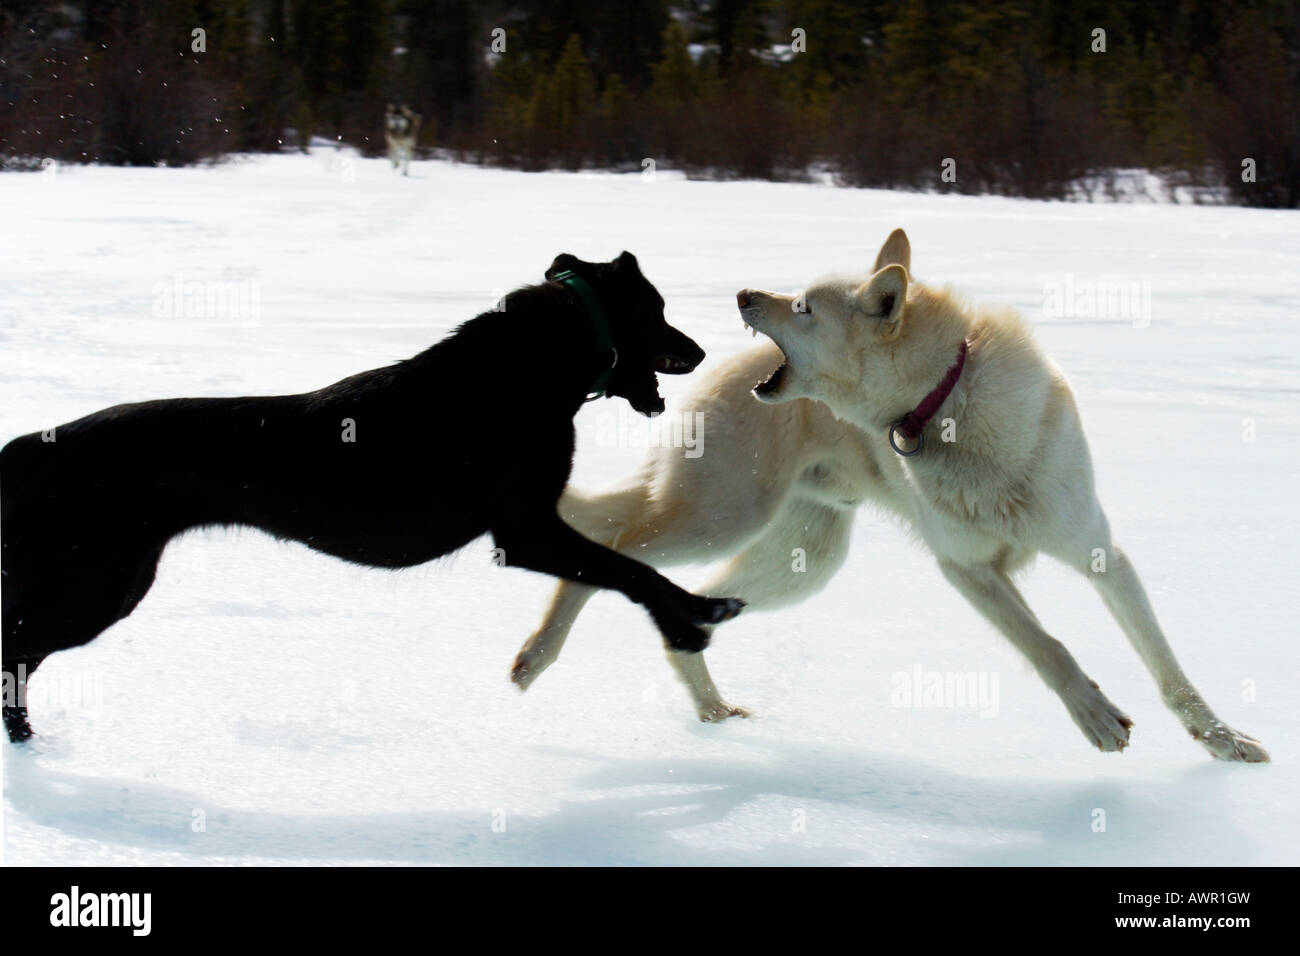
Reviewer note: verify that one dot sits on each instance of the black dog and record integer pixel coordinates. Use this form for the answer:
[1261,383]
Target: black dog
[390,468]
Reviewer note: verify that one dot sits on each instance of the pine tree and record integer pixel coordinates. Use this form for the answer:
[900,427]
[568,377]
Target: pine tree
[566,103]
[676,80]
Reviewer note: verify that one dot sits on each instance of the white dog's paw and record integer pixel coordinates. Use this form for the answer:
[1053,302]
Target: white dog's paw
[716,710]
[1104,725]
[528,666]
[1228,744]
[521,674]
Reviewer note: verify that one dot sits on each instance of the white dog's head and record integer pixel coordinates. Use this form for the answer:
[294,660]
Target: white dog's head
[858,344]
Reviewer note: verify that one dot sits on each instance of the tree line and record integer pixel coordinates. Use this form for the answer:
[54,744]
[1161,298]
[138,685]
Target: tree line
[1017,97]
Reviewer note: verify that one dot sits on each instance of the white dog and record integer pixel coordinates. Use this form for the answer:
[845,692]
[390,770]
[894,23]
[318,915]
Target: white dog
[887,391]
[401,130]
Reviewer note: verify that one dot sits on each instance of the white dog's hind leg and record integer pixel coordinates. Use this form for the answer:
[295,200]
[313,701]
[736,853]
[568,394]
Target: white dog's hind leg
[542,649]
[991,592]
[1127,602]
[629,521]
[602,518]
[694,673]
[802,548]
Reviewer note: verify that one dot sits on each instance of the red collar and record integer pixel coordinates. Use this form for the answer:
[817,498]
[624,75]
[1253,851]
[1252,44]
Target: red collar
[910,425]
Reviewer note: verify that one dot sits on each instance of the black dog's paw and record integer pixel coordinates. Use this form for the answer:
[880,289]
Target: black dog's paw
[729,608]
[714,610]
[682,635]
[16,725]
[683,621]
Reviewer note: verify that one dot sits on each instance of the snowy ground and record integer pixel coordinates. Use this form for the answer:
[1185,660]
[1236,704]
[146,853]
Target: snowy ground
[268,704]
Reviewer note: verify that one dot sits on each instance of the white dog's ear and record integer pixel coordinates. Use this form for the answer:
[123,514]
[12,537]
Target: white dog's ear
[882,298]
[896,251]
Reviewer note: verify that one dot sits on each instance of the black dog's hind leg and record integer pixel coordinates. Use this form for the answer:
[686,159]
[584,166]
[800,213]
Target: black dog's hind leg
[16,674]
[545,543]
[72,606]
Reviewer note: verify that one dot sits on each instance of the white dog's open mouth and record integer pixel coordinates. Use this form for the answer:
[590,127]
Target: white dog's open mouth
[773,383]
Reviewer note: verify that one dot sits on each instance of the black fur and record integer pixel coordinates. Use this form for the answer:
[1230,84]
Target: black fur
[471,436]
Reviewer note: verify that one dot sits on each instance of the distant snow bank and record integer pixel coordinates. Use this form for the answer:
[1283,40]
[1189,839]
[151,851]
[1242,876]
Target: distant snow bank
[1111,185]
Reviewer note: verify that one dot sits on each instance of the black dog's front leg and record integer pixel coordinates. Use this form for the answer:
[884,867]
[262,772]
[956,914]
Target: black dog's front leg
[547,544]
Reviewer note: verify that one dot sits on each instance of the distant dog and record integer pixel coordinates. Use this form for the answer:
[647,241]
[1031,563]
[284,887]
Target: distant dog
[401,131]
[389,468]
[895,364]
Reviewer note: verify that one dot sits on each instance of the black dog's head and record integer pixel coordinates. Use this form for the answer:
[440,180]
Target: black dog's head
[645,342]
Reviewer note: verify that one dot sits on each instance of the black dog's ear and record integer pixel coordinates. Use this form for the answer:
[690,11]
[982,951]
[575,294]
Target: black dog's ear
[626,259]
[564,262]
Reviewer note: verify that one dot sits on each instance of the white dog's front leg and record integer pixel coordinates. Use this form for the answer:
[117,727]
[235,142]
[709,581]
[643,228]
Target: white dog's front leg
[993,595]
[1122,591]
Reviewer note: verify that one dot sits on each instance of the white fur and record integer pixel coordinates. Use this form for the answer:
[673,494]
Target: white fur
[789,471]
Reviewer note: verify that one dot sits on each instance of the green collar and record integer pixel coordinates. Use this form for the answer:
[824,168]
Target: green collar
[600,322]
